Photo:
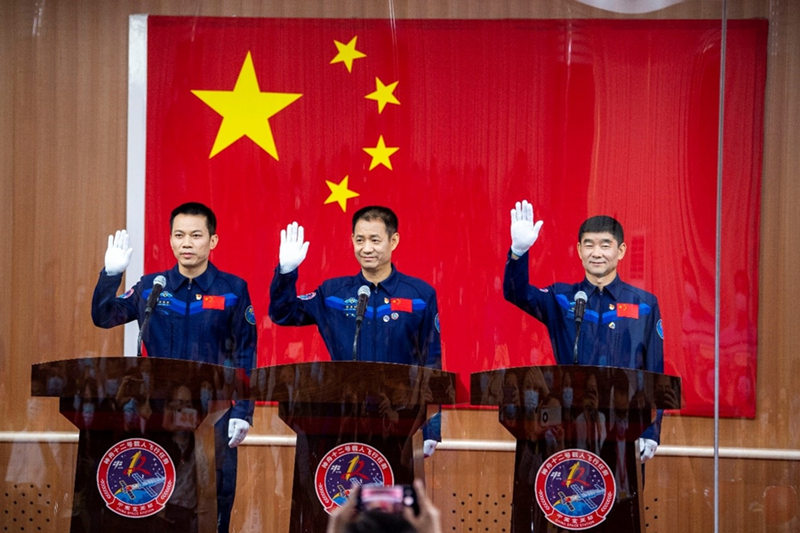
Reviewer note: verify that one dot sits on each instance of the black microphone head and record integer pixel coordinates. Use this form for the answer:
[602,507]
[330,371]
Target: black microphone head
[580,307]
[160,280]
[361,308]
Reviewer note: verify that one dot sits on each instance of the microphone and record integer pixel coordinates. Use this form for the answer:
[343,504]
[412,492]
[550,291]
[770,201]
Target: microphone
[361,309]
[158,285]
[580,309]
[580,306]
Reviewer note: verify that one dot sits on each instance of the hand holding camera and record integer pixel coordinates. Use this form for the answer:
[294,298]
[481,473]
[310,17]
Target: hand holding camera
[372,506]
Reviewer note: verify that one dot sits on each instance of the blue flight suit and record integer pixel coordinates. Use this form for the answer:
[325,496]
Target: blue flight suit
[621,326]
[401,322]
[208,319]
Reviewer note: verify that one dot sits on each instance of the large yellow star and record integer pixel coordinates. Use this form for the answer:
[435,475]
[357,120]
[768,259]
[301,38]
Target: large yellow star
[246,111]
[347,53]
[380,154]
[340,193]
[384,94]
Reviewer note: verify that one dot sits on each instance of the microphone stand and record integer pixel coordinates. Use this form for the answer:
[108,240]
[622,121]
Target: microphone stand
[575,347]
[361,310]
[145,322]
[355,340]
[159,282]
[580,308]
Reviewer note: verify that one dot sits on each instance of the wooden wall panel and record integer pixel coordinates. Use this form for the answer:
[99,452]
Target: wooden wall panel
[36,488]
[7,87]
[779,344]
[63,77]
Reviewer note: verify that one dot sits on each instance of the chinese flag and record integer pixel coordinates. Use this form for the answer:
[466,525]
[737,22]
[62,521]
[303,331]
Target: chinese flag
[627,310]
[213,302]
[402,304]
[450,122]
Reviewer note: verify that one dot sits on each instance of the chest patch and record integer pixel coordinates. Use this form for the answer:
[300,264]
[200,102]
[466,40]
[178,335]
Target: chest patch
[402,304]
[628,310]
[213,302]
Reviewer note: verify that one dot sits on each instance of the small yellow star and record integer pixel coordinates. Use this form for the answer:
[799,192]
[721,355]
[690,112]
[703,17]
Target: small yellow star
[246,111]
[347,53]
[384,94]
[380,154]
[340,193]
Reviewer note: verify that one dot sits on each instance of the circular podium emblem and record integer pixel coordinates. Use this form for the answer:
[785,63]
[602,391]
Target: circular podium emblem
[135,478]
[575,489]
[346,466]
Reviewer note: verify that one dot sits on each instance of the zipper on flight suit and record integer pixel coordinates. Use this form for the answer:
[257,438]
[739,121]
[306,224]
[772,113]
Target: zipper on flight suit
[189,295]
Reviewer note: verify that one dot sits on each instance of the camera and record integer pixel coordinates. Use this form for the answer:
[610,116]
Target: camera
[387,498]
[550,416]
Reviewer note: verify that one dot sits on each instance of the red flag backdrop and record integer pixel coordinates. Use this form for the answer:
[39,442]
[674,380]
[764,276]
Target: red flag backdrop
[450,122]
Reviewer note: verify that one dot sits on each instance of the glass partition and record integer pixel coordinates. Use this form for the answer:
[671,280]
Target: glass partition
[503,321]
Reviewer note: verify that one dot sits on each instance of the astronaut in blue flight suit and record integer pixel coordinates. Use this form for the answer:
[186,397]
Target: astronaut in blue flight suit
[401,322]
[202,314]
[622,323]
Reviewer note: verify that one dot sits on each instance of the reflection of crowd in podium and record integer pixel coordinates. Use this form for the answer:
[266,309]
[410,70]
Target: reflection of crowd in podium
[590,422]
[181,418]
[96,391]
[606,417]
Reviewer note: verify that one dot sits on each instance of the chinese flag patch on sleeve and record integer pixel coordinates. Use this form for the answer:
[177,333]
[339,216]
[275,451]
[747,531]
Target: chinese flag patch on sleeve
[628,310]
[402,304]
[213,302]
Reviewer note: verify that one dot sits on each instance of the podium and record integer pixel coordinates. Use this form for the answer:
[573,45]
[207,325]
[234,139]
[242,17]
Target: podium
[355,422]
[576,465]
[146,458]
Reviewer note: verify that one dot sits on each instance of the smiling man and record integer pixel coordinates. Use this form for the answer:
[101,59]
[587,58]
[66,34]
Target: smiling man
[202,314]
[621,325]
[401,320]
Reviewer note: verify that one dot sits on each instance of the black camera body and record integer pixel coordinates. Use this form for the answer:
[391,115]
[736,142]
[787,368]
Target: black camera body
[387,498]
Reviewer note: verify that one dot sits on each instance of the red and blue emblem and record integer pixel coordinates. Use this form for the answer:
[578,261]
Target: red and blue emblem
[575,489]
[136,478]
[347,466]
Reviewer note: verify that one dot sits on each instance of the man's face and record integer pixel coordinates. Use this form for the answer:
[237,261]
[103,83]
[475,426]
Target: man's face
[182,397]
[191,243]
[600,253]
[373,246]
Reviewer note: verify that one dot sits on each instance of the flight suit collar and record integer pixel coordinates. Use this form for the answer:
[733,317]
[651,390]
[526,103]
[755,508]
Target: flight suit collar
[389,285]
[611,290]
[176,280]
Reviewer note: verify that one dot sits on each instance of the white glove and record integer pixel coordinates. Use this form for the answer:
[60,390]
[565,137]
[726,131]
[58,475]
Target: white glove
[293,250]
[523,231]
[428,447]
[118,254]
[647,449]
[237,431]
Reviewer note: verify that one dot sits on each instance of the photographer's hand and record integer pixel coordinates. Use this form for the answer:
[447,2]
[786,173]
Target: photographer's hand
[429,518]
[337,523]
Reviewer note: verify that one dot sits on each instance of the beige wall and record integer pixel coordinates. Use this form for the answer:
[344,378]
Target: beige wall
[63,76]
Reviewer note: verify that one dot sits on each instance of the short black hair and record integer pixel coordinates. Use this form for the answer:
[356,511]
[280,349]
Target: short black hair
[196,208]
[602,224]
[379,212]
